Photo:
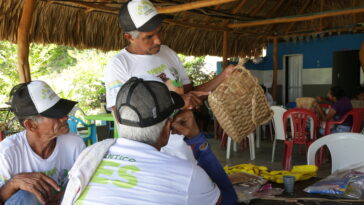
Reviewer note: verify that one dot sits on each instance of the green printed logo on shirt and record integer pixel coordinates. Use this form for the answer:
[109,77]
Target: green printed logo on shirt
[157,70]
[126,180]
[2,180]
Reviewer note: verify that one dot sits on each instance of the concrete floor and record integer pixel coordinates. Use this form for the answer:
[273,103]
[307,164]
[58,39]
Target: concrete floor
[263,156]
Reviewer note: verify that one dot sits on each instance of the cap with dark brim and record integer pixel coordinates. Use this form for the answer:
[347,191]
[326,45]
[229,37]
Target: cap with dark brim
[153,23]
[178,100]
[60,109]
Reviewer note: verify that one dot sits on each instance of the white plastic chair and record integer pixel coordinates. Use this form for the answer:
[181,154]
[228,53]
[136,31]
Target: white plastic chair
[251,146]
[345,149]
[278,126]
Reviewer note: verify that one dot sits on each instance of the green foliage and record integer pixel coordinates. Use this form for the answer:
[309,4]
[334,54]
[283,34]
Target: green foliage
[8,69]
[49,59]
[193,66]
[74,74]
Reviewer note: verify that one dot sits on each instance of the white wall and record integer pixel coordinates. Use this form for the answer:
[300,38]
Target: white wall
[312,76]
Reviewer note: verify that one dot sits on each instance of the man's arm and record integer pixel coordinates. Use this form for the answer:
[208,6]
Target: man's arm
[37,183]
[185,124]
[212,84]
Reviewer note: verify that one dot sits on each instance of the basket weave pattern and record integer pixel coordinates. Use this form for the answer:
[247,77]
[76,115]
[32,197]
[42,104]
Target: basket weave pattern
[239,104]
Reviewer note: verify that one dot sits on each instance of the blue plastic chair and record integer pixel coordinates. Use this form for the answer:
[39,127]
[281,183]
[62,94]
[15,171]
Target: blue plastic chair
[90,137]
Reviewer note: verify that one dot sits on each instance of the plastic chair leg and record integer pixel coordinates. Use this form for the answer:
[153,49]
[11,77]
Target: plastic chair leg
[223,141]
[228,146]
[251,146]
[235,146]
[93,134]
[271,130]
[274,149]
[258,134]
[288,148]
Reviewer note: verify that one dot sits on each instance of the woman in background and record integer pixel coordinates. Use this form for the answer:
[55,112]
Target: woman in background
[341,105]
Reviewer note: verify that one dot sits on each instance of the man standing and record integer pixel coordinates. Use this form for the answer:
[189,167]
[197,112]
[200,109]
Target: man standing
[131,170]
[145,55]
[34,163]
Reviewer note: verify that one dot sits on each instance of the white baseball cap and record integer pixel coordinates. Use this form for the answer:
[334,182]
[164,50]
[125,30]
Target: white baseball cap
[38,98]
[140,15]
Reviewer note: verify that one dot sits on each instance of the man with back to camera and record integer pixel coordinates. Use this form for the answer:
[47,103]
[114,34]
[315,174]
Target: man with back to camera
[34,163]
[145,55]
[132,170]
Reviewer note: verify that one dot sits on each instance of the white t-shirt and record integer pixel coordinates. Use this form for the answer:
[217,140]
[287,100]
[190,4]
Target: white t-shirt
[16,156]
[136,173]
[164,65]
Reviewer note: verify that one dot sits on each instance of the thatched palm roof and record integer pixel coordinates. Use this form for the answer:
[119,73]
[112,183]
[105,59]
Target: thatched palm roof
[94,23]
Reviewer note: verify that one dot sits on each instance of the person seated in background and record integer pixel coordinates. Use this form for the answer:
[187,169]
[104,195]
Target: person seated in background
[34,163]
[341,105]
[359,93]
[132,170]
[358,100]
[268,96]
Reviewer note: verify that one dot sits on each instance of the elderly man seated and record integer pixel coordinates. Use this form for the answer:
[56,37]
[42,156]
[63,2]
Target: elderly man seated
[132,170]
[34,163]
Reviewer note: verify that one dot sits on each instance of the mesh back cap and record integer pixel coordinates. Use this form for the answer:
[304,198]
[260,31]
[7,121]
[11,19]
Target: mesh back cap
[140,15]
[151,101]
[38,98]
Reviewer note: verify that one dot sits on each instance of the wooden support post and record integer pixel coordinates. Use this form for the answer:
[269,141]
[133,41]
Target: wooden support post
[275,68]
[23,40]
[225,49]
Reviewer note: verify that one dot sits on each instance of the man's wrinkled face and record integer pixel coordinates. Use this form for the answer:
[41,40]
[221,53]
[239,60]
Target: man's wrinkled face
[147,43]
[53,127]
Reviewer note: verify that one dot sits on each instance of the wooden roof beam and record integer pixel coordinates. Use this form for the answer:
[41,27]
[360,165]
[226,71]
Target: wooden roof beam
[256,10]
[307,33]
[275,8]
[289,19]
[237,8]
[322,4]
[274,12]
[168,9]
[89,6]
[235,11]
[192,5]
[303,8]
[198,26]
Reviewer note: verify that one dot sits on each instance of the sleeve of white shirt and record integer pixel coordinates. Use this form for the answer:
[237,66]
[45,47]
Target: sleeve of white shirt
[115,77]
[201,189]
[4,170]
[181,70]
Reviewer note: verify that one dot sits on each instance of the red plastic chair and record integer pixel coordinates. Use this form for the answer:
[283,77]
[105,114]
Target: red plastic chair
[357,115]
[325,106]
[298,118]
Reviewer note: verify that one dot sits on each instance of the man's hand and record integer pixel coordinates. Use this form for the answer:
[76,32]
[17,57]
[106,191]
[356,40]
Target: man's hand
[184,123]
[37,183]
[228,70]
[192,99]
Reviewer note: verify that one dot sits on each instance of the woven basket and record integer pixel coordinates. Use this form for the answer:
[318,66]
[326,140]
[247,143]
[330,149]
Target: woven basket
[239,104]
[305,102]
